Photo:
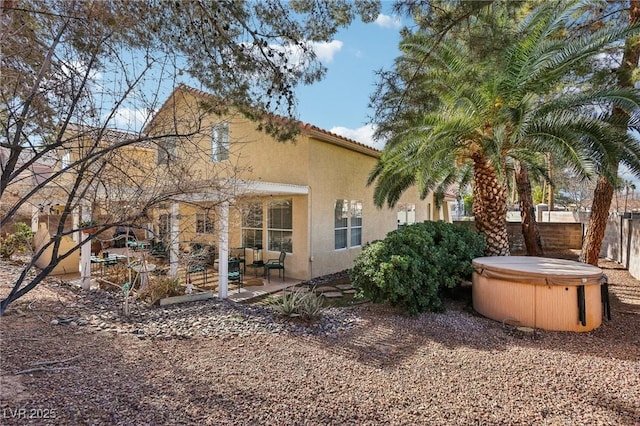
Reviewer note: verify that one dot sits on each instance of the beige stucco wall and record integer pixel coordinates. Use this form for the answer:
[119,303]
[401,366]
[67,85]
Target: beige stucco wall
[337,173]
[328,166]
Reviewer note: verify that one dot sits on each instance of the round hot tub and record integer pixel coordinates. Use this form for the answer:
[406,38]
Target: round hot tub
[538,292]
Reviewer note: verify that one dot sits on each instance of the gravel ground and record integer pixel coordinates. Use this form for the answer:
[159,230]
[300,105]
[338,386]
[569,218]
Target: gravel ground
[216,362]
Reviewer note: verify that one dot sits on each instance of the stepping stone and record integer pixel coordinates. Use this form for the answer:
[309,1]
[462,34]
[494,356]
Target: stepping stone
[332,294]
[299,289]
[352,291]
[325,288]
[344,286]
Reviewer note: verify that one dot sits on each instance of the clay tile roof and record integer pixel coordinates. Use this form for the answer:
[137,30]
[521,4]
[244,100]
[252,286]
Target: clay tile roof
[307,128]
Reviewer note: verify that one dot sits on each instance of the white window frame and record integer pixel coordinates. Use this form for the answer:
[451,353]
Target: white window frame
[220,146]
[341,224]
[205,223]
[406,214]
[164,226]
[166,150]
[272,230]
[65,161]
[355,212]
[347,225]
[250,227]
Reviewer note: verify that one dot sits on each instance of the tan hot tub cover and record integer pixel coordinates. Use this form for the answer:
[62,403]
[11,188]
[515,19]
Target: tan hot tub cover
[538,292]
[538,270]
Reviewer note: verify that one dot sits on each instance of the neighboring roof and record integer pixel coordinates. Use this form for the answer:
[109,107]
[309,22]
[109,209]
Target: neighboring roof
[46,159]
[111,136]
[41,170]
[305,128]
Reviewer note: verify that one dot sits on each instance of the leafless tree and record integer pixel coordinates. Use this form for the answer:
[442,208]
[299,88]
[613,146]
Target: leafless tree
[72,71]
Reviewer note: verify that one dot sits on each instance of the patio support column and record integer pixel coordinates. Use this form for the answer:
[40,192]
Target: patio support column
[35,212]
[175,230]
[223,259]
[75,220]
[85,252]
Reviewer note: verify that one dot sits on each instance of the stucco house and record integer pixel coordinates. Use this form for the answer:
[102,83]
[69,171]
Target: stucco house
[308,198]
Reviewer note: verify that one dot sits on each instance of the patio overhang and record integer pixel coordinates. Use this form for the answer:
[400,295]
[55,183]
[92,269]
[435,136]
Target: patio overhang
[243,188]
[271,188]
[225,194]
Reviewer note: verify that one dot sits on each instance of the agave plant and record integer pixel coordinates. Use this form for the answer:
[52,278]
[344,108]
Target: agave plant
[297,304]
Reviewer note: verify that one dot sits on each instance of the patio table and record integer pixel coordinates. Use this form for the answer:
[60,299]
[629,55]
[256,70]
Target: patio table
[255,266]
[144,270]
[110,260]
[138,245]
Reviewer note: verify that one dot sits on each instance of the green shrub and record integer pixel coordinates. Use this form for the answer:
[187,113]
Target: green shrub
[18,242]
[411,266]
[161,287]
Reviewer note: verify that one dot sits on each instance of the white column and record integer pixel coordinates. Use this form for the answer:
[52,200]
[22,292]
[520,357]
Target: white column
[174,247]
[35,212]
[85,262]
[75,219]
[148,233]
[85,252]
[223,258]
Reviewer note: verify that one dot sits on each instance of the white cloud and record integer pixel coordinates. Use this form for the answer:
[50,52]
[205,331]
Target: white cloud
[362,134]
[130,119]
[386,21]
[326,51]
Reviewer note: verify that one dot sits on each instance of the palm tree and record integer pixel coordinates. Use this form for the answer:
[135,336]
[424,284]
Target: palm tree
[486,116]
[627,185]
[603,193]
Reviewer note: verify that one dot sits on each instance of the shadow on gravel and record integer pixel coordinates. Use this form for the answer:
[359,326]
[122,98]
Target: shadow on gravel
[387,338]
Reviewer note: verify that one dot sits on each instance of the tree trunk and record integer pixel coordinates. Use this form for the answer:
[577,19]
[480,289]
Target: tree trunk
[530,230]
[490,206]
[603,193]
[594,235]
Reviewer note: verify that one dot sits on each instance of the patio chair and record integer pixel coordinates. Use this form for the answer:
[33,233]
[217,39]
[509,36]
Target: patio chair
[159,250]
[240,255]
[275,264]
[234,274]
[206,251]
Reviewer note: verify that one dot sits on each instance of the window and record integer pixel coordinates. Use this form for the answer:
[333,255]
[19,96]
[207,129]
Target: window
[204,223]
[341,223]
[356,223]
[65,161]
[252,225]
[280,231]
[166,150]
[164,226]
[406,214]
[347,224]
[220,142]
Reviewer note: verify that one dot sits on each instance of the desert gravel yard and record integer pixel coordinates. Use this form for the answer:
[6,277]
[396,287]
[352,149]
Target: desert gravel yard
[67,358]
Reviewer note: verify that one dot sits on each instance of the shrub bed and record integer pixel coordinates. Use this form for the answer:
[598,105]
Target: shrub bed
[413,264]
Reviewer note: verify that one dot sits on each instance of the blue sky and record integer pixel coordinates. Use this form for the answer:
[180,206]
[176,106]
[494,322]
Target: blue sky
[339,103]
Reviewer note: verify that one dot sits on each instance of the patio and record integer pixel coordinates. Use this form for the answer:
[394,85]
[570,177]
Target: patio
[253,285]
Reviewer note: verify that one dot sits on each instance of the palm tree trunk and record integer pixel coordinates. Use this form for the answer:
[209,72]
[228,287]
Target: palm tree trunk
[530,230]
[592,243]
[490,206]
[603,193]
